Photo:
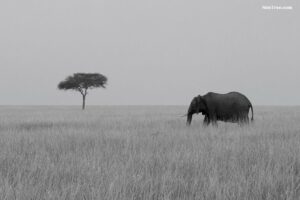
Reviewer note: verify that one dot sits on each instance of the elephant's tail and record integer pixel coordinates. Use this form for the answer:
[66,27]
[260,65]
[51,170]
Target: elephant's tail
[251,112]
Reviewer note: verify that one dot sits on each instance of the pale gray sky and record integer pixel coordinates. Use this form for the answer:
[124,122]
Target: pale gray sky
[153,52]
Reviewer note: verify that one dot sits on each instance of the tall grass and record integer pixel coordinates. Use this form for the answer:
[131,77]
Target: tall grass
[146,153]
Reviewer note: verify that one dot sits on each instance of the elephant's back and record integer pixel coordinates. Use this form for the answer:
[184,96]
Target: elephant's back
[239,97]
[230,99]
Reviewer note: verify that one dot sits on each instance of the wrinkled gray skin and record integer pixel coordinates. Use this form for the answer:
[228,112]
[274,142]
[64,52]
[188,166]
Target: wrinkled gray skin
[230,107]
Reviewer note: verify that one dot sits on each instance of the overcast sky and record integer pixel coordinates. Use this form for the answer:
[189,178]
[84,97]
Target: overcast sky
[153,52]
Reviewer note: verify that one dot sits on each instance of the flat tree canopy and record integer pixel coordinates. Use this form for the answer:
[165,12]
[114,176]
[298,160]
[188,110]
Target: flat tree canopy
[81,82]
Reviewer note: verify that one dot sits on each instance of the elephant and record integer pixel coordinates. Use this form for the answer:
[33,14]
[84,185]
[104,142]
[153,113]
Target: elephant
[230,107]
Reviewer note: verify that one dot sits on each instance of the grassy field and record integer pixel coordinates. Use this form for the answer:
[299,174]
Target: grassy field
[132,152]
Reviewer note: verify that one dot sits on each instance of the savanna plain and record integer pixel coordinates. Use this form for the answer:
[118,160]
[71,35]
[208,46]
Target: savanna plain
[146,152]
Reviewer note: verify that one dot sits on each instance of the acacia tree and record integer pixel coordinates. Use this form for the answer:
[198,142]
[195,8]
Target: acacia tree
[81,82]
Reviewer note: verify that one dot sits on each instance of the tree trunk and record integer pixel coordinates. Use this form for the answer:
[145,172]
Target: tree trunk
[83,102]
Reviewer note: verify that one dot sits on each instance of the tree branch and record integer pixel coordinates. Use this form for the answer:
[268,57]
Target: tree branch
[80,90]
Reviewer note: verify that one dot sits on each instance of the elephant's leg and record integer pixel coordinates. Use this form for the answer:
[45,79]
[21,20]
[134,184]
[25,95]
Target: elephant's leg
[244,120]
[215,123]
[240,122]
[206,121]
[213,119]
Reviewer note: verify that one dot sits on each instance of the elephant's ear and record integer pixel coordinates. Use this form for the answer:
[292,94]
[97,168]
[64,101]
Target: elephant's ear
[203,100]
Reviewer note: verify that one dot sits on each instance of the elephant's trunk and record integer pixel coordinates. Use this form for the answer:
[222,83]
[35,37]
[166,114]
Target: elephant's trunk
[189,119]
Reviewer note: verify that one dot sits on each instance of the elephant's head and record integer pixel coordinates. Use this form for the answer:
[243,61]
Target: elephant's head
[198,105]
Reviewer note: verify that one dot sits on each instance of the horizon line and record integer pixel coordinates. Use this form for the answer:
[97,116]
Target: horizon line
[288,105]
